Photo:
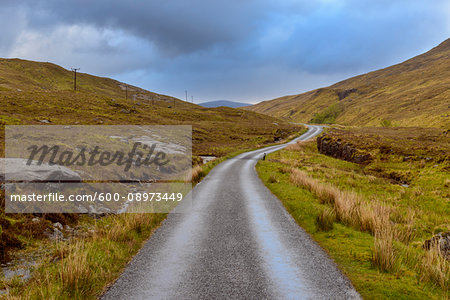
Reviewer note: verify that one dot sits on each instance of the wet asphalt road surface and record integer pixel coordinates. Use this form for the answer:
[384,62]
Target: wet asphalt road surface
[236,242]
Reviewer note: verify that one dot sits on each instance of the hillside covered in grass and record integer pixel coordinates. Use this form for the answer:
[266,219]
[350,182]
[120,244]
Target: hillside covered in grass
[413,93]
[94,252]
[42,93]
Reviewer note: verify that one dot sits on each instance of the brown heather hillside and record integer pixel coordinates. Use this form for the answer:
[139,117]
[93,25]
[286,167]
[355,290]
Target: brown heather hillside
[413,93]
[42,94]
[33,91]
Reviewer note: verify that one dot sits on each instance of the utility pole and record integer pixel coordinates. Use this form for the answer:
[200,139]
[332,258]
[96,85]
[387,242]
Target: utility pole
[75,78]
[192,99]
[186,96]
[126,91]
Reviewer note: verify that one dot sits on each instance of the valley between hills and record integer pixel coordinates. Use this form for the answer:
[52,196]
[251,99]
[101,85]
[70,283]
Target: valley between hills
[372,190]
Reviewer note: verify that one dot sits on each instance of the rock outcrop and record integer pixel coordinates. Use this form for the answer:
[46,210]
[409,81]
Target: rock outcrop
[16,169]
[441,240]
[337,149]
[343,94]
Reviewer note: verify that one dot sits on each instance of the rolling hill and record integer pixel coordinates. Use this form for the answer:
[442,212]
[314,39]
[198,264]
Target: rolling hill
[413,93]
[40,93]
[225,103]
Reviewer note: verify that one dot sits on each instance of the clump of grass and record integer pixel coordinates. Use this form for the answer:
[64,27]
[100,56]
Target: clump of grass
[325,219]
[348,207]
[374,218]
[73,271]
[405,231]
[447,183]
[284,170]
[383,255]
[289,162]
[302,179]
[326,194]
[195,174]
[273,178]
[435,268]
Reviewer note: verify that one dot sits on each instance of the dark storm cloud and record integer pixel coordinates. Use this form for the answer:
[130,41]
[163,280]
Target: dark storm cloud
[243,50]
[174,26]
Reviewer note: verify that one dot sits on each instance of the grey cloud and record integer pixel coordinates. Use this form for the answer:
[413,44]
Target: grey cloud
[12,21]
[176,27]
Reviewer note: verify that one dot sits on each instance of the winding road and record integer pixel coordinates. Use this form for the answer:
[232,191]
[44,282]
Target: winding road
[237,242]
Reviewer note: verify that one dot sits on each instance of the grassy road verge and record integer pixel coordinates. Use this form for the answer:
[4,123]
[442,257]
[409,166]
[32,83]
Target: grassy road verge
[371,225]
[82,267]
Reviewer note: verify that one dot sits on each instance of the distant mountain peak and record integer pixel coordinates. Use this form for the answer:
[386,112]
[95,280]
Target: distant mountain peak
[226,103]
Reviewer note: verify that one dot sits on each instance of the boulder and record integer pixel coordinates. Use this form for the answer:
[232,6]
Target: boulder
[56,235]
[58,225]
[16,169]
[442,240]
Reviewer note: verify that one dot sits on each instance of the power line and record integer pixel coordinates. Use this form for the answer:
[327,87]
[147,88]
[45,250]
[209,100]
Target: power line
[75,78]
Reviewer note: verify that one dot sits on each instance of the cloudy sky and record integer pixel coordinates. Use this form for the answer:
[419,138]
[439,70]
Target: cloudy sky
[243,50]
